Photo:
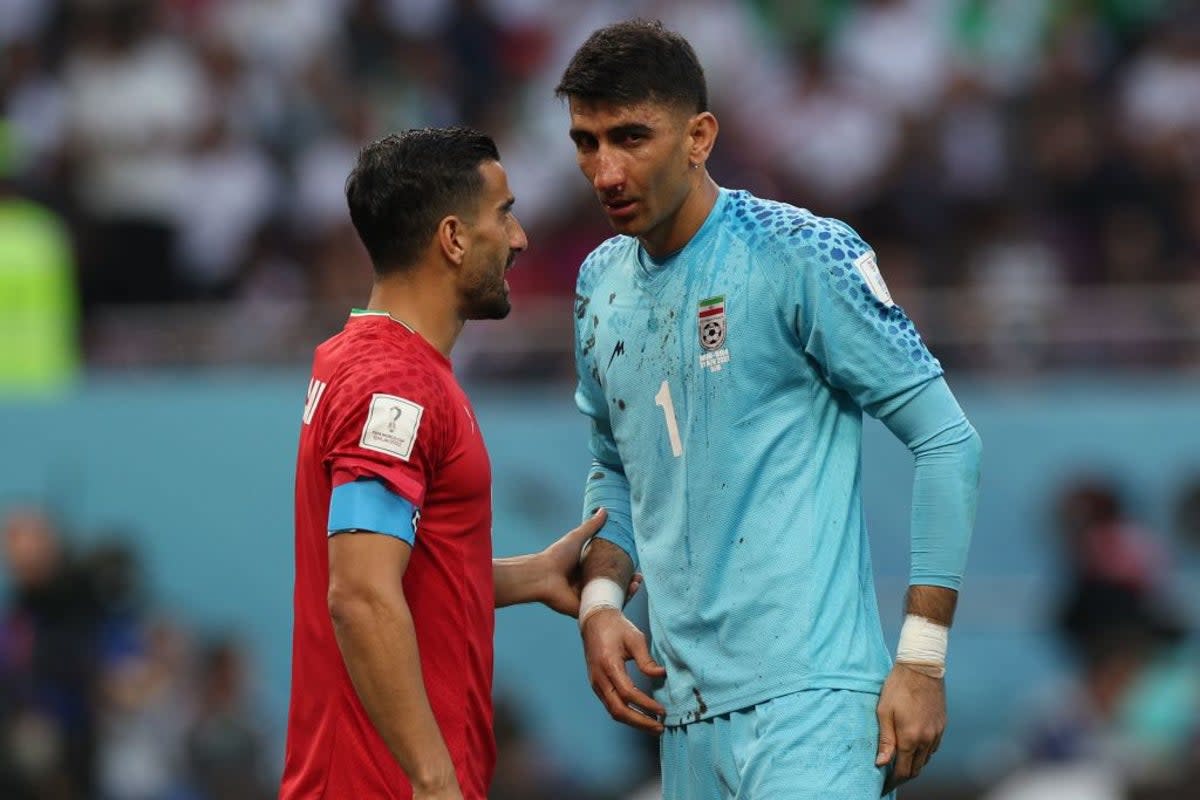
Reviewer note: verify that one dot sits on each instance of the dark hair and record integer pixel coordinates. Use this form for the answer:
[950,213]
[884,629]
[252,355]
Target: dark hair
[404,184]
[634,61]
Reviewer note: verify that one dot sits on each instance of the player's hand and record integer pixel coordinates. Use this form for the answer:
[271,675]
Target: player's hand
[609,640]
[562,575]
[912,718]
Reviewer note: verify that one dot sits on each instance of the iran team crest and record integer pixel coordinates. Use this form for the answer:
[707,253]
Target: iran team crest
[711,318]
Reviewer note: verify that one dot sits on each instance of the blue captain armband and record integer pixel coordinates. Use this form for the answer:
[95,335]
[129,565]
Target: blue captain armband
[368,505]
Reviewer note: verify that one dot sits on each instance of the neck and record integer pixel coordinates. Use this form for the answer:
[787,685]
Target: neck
[678,230]
[429,308]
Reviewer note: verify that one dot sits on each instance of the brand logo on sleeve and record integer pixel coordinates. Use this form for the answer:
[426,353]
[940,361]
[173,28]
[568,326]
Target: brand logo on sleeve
[710,317]
[391,427]
[316,388]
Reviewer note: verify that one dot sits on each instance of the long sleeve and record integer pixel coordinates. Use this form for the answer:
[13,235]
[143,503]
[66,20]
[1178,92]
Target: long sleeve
[947,453]
[606,485]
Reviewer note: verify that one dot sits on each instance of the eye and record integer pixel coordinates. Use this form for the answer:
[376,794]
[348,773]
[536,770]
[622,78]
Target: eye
[632,137]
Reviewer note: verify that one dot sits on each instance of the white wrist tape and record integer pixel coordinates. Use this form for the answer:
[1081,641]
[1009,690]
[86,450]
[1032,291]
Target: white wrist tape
[600,593]
[923,645]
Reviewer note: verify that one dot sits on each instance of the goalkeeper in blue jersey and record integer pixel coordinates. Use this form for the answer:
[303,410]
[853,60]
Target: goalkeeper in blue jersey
[726,347]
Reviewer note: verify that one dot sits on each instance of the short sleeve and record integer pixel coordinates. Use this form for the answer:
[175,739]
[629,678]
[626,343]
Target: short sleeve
[391,424]
[845,318]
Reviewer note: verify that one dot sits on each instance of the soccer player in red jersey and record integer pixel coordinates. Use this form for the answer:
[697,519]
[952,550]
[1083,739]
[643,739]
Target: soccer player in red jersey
[395,582]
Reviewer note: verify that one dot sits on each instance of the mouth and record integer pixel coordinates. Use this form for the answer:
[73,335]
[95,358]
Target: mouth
[512,257]
[621,208]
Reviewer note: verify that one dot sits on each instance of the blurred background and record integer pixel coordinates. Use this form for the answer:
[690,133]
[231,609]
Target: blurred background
[174,242]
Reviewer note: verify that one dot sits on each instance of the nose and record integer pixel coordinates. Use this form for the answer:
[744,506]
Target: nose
[517,241]
[609,175]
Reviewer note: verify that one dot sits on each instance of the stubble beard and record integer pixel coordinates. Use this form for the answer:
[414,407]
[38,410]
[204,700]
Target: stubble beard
[487,300]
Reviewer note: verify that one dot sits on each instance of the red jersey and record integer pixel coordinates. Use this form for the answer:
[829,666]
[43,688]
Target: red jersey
[384,404]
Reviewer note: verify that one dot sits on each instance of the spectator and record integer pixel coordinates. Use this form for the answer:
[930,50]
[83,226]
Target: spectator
[38,301]
[226,746]
[47,665]
[144,707]
[1135,694]
[136,98]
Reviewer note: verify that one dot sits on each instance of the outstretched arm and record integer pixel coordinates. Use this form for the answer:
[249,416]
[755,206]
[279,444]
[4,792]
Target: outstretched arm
[552,576]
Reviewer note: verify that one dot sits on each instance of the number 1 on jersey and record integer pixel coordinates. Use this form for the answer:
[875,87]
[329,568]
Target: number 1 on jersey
[663,398]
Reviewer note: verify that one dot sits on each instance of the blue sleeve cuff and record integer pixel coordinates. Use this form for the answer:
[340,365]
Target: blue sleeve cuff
[368,505]
[608,488]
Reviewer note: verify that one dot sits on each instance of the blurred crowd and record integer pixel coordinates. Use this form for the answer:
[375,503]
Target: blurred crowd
[1125,720]
[105,697]
[1028,170]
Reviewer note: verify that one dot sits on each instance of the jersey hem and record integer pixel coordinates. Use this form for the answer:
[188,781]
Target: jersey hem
[868,685]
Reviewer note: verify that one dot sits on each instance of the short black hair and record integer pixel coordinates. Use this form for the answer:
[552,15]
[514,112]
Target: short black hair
[635,61]
[404,184]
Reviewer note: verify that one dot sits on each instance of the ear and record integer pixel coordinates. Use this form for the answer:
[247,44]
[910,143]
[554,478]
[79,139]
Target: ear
[451,238]
[701,136]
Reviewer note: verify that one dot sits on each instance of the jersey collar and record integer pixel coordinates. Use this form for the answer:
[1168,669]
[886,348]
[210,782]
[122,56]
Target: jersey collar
[364,312]
[650,266]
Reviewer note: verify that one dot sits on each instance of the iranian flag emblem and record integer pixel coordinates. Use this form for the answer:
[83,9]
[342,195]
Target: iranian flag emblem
[711,317]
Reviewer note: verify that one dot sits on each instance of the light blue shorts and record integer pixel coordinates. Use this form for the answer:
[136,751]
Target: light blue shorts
[812,745]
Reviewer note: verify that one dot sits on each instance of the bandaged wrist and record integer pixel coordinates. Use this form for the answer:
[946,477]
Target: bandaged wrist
[923,645]
[599,593]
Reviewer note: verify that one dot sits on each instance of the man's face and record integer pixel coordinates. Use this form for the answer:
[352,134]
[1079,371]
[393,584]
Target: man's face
[636,158]
[32,552]
[496,239]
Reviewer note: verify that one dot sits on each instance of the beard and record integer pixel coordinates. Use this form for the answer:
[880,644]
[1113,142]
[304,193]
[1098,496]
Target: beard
[487,300]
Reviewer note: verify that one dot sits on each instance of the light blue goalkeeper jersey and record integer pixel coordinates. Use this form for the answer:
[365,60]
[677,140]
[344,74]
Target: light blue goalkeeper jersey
[727,383]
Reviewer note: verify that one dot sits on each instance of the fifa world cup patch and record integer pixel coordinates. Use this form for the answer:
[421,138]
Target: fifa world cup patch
[713,326]
[869,270]
[391,425]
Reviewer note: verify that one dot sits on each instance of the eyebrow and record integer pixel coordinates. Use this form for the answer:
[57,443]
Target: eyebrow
[638,128]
